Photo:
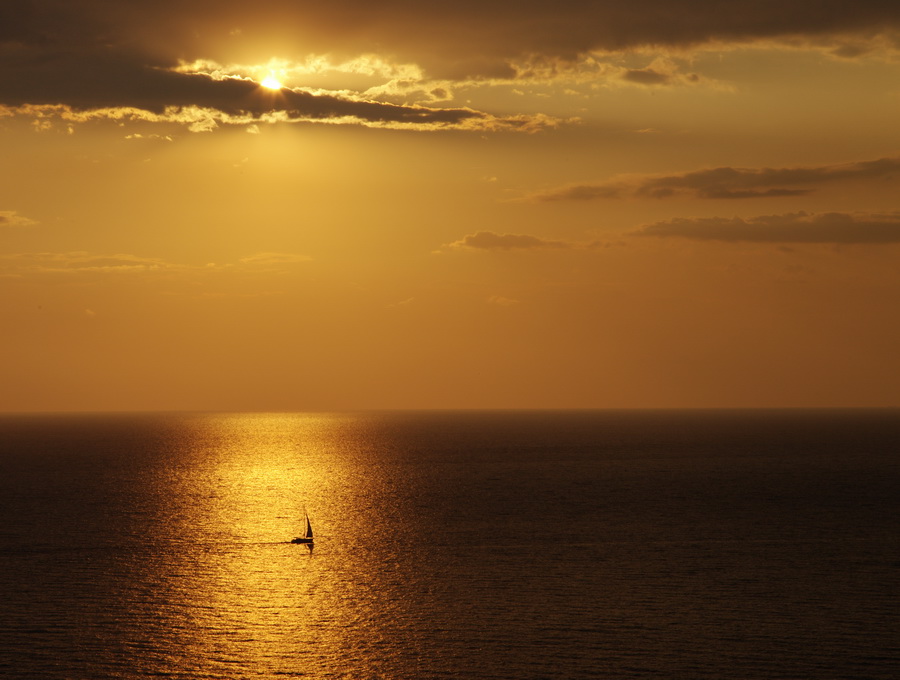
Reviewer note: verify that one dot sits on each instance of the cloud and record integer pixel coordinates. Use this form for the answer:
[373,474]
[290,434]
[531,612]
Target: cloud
[662,71]
[800,227]
[583,192]
[464,37]
[502,301]
[646,76]
[203,103]
[488,240]
[730,183]
[78,63]
[269,259]
[199,119]
[10,218]
[81,263]
[102,55]
[491,241]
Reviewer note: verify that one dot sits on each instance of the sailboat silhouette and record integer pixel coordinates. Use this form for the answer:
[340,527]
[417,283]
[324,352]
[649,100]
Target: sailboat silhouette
[308,536]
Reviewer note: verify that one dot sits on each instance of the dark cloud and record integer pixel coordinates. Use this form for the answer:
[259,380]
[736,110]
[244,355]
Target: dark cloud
[100,79]
[473,36]
[488,240]
[98,55]
[94,51]
[732,183]
[800,227]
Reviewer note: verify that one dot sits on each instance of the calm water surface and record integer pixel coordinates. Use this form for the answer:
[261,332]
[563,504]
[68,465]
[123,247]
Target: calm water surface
[451,545]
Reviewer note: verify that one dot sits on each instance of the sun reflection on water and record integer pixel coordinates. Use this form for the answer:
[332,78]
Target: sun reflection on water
[246,595]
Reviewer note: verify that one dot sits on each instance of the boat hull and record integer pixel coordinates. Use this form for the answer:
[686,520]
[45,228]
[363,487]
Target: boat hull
[302,540]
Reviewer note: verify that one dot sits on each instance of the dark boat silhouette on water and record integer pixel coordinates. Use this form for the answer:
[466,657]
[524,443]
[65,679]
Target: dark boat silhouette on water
[307,538]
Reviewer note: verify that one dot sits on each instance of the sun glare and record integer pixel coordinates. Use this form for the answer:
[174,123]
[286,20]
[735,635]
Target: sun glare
[271,82]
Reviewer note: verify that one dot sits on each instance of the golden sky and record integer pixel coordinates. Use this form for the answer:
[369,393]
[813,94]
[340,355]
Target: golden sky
[658,203]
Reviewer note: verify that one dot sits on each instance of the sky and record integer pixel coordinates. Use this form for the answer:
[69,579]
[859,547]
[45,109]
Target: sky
[304,206]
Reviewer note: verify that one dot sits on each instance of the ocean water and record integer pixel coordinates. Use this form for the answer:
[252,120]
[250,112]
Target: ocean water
[696,544]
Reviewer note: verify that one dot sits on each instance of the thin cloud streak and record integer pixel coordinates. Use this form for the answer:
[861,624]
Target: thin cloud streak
[200,119]
[80,263]
[10,218]
[730,183]
[799,227]
[492,241]
[489,240]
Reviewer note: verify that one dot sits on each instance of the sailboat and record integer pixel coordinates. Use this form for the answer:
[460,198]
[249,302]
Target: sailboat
[308,537]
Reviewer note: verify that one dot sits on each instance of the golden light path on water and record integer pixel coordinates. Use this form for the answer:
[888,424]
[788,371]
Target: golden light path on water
[250,599]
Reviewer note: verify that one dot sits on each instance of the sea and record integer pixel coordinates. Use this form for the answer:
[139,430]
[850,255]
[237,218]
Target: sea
[723,544]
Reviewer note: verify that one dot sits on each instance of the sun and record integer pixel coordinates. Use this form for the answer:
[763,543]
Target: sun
[271,82]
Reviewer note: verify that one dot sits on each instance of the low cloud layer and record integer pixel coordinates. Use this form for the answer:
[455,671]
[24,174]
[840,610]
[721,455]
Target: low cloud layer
[800,227]
[730,183]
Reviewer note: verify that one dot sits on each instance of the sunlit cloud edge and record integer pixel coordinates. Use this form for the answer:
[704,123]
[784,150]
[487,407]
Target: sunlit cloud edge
[206,119]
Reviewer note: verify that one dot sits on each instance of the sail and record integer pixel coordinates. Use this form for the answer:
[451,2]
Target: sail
[308,537]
